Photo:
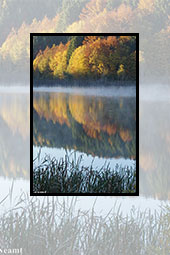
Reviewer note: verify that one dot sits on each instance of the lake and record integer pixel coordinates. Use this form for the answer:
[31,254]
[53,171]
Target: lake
[98,124]
[154,149]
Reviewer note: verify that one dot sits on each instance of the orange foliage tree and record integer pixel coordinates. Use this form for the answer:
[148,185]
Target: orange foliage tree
[94,57]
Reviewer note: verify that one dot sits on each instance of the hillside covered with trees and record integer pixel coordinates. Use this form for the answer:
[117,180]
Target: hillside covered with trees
[149,18]
[84,58]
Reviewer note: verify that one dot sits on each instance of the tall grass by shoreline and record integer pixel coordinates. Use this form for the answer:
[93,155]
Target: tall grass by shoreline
[53,227]
[69,176]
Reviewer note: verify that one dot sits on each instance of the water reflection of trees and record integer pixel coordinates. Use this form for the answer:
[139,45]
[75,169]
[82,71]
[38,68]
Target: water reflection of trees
[155,150]
[14,110]
[99,126]
[14,136]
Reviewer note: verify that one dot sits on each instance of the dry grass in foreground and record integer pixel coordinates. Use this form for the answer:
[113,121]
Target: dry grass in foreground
[49,226]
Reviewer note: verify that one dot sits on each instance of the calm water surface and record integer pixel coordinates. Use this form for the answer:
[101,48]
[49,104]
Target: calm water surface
[101,128]
[154,143]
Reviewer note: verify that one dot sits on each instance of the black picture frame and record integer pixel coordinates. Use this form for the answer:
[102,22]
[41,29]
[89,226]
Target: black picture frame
[31,115]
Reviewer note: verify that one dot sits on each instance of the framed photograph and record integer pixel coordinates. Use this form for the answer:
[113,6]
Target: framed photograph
[84,114]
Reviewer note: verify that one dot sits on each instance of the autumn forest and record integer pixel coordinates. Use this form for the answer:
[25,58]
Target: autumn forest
[84,58]
[149,18]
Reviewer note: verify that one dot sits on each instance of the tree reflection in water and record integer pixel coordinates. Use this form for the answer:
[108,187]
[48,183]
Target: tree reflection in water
[100,126]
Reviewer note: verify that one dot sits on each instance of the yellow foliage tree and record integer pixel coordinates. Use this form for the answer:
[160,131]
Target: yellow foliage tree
[79,64]
[58,61]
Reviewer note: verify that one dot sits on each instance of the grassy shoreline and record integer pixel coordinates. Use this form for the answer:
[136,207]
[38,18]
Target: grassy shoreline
[51,226]
[65,176]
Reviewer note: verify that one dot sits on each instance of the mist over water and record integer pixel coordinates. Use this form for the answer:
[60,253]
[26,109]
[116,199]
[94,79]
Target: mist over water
[111,91]
[154,92]
[14,89]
